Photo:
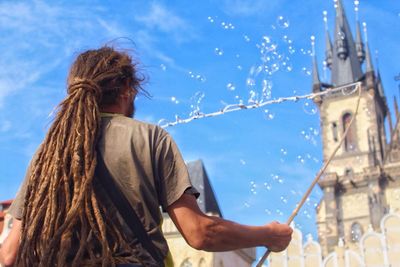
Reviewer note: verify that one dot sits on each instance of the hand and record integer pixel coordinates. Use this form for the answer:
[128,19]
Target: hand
[279,236]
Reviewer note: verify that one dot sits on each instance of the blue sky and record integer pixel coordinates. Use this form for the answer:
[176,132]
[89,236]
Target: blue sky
[259,161]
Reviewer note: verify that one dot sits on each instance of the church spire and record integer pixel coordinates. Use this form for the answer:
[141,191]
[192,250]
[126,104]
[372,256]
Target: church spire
[368,60]
[315,74]
[359,44]
[317,85]
[328,51]
[346,67]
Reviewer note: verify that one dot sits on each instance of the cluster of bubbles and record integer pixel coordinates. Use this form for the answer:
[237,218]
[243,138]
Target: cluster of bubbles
[302,159]
[197,76]
[227,26]
[196,100]
[253,188]
[309,107]
[310,135]
[224,25]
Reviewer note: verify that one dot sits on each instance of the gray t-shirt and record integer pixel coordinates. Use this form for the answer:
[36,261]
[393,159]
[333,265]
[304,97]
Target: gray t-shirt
[146,164]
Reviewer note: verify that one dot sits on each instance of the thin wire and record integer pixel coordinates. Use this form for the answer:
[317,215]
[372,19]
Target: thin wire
[309,190]
[237,107]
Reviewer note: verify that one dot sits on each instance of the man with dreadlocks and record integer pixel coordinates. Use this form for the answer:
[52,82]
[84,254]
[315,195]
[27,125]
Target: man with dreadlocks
[64,216]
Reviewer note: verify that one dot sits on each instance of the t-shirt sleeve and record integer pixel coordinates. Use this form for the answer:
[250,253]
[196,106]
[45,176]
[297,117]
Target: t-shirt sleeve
[16,208]
[172,172]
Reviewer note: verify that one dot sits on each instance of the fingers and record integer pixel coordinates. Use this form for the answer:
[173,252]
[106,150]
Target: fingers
[279,237]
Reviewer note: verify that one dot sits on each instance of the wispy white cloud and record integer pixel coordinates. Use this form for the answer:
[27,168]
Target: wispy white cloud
[149,45]
[41,36]
[113,29]
[161,19]
[249,7]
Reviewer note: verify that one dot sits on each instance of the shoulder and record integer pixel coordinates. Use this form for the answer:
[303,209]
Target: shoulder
[135,127]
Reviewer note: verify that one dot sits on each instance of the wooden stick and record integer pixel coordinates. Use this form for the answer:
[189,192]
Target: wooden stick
[323,169]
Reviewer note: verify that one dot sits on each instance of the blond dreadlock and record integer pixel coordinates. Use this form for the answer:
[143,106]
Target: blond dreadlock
[64,220]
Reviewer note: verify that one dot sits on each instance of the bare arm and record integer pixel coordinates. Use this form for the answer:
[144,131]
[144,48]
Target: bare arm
[9,249]
[211,233]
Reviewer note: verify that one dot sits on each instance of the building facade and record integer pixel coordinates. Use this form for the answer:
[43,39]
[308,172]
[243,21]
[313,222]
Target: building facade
[362,183]
[375,248]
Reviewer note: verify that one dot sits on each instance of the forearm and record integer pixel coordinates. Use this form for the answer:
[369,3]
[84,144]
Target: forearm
[216,234]
[222,235]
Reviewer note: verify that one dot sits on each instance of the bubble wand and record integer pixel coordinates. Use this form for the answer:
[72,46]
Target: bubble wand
[322,170]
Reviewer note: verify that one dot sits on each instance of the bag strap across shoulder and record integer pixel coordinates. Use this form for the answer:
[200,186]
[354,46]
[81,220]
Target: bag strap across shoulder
[125,209]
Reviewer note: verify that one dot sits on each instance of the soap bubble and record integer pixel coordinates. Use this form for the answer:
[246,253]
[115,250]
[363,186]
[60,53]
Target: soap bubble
[230,87]
[163,67]
[250,82]
[266,89]
[246,38]
[252,97]
[282,22]
[279,212]
[309,107]
[200,78]
[218,51]
[267,186]
[268,114]
[210,19]
[306,71]
[301,159]
[174,100]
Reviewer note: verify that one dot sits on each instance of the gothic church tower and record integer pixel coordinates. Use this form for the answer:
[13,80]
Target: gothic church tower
[357,181]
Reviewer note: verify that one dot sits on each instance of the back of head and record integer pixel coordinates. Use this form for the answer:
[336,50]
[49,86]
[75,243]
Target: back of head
[62,211]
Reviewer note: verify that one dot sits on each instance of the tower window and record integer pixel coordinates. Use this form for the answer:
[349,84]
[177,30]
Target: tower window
[334,131]
[350,140]
[356,232]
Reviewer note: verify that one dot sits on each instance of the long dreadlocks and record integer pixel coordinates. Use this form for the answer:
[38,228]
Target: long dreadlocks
[64,220]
